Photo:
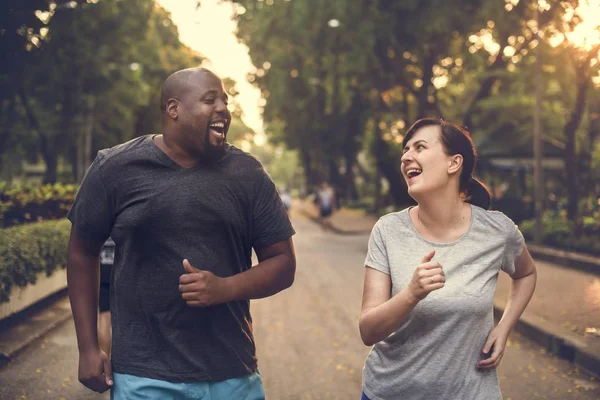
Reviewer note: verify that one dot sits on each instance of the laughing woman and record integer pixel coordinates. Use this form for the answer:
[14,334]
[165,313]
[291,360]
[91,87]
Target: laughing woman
[430,278]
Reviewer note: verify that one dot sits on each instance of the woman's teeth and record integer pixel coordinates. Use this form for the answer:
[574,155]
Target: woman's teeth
[412,172]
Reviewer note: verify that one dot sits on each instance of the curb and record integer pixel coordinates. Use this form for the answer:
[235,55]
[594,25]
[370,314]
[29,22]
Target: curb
[557,340]
[565,258]
[7,354]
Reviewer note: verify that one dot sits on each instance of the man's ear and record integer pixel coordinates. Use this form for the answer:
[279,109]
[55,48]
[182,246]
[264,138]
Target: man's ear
[173,108]
[455,163]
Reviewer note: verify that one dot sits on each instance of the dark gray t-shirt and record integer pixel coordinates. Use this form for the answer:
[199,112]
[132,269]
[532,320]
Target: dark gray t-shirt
[434,352]
[159,213]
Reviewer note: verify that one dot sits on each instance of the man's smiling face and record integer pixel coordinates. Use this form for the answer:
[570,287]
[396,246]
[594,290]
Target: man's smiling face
[203,116]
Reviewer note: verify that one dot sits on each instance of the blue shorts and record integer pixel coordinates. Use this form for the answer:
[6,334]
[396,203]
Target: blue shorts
[326,211]
[130,387]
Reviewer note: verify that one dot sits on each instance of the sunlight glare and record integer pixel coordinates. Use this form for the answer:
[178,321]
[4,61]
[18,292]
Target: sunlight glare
[260,139]
[440,81]
[210,30]
[586,35]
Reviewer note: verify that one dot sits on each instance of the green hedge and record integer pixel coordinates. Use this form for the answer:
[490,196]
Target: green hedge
[21,204]
[27,250]
[558,232]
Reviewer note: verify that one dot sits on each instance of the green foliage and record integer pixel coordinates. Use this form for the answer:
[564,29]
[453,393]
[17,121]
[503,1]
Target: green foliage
[310,73]
[26,203]
[559,232]
[27,250]
[87,76]
[379,65]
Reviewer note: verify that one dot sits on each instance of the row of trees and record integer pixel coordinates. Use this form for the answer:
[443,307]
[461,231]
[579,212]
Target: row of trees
[82,75]
[345,76]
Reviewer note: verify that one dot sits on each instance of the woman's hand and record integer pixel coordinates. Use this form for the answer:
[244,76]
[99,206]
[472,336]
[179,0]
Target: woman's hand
[428,276]
[495,343]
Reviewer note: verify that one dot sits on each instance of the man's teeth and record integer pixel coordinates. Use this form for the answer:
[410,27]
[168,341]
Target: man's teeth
[217,125]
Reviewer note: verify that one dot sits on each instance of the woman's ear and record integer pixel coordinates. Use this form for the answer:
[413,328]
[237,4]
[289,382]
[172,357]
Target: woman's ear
[456,162]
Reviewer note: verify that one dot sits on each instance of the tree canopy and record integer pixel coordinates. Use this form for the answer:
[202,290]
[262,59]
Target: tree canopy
[84,75]
[344,79]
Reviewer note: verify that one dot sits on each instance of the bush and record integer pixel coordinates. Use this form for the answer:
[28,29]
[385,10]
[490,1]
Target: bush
[34,203]
[29,249]
[559,232]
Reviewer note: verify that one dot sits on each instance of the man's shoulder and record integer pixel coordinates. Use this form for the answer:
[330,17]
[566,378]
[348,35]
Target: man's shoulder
[116,155]
[240,156]
[244,165]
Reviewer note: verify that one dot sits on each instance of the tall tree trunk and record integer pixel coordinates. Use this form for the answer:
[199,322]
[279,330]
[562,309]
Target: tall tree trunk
[308,170]
[51,174]
[423,96]
[48,152]
[570,131]
[6,131]
[69,111]
[356,123]
[351,193]
[74,161]
[84,148]
[379,200]
[335,178]
[593,134]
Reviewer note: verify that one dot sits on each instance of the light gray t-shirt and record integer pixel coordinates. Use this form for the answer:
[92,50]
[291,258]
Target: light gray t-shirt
[434,352]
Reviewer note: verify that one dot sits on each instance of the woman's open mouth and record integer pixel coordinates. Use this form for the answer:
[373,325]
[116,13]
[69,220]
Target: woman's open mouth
[412,173]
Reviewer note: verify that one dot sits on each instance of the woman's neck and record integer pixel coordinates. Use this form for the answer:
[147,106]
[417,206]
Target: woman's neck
[442,218]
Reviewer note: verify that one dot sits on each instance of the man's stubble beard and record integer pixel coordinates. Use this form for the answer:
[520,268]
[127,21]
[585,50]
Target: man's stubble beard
[212,153]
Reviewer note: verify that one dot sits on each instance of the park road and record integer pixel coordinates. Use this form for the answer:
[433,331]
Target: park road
[307,340]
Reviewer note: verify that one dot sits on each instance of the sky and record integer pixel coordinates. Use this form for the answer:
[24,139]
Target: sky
[211,31]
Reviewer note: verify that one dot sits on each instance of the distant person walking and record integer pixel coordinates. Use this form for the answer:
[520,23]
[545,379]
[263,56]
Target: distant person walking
[185,210]
[430,278]
[326,203]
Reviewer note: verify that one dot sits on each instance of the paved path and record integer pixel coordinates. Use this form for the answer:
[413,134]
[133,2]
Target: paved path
[308,342]
[564,296]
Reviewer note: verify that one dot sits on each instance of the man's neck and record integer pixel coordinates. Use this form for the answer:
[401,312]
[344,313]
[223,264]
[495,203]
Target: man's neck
[175,152]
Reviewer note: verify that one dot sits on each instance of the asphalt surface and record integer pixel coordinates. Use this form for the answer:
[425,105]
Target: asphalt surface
[307,338]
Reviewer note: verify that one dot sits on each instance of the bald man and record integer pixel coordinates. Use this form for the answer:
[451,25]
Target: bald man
[185,209]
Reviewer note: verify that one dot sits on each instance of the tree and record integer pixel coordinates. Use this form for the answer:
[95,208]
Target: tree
[391,62]
[22,34]
[95,79]
[582,72]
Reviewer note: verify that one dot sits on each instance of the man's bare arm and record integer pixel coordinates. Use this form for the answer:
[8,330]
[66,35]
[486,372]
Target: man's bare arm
[274,273]
[83,270]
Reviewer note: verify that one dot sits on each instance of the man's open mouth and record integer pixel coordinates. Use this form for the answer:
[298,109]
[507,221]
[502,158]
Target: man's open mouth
[217,128]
